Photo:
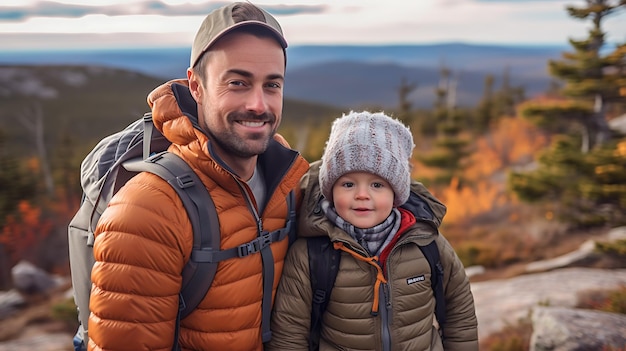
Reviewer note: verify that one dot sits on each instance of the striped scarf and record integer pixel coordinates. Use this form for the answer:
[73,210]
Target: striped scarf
[373,239]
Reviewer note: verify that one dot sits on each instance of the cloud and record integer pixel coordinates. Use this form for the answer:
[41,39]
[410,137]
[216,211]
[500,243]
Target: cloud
[59,10]
[371,22]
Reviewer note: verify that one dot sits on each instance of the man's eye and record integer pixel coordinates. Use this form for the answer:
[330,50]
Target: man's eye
[273,85]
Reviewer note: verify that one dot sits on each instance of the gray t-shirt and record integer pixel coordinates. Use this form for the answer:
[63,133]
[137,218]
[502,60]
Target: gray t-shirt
[257,184]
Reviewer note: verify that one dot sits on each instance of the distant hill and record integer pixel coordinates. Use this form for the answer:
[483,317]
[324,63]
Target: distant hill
[370,75]
[345,76]
[355,84]
[529,59]
[86,103]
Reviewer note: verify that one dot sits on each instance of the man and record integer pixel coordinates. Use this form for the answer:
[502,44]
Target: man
[222,121]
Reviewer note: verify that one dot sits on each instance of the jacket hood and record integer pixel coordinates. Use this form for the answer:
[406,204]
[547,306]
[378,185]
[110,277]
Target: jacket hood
[312,221]
[174,112]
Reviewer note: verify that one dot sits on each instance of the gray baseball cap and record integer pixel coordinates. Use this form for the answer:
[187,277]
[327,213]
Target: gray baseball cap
[224,19]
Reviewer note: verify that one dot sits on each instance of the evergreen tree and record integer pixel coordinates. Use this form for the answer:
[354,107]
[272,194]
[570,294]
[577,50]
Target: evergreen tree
[507,97]
[450,147]
[67,158]
[16,183]
[497,104]
[405,106]
[584,189]
[617,77]
[585,73]
[583,174]
[485,112]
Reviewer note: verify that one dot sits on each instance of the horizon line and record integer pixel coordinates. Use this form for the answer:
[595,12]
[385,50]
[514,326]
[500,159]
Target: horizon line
[320,45]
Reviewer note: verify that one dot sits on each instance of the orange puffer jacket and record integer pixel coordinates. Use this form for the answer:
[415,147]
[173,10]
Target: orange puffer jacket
[144,239]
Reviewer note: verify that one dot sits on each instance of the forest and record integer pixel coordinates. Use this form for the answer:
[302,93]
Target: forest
[517,173]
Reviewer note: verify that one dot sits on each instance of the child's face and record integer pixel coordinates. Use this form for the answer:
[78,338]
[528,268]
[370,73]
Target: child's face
[363,199]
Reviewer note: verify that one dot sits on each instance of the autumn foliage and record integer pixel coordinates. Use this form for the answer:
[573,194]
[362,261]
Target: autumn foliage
[513,142]
[23,231]
[33,222]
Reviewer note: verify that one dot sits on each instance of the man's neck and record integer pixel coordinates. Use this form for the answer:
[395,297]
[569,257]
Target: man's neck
[243,167]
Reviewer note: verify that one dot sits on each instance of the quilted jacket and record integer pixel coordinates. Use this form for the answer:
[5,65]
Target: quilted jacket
[144,238]
[386,305]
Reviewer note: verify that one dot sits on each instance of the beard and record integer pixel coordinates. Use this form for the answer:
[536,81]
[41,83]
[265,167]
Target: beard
[243,146]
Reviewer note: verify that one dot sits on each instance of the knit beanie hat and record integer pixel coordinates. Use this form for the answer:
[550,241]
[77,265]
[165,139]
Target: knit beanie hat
[369,142]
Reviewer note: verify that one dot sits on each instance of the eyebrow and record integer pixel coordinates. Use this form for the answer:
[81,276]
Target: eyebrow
[247,74]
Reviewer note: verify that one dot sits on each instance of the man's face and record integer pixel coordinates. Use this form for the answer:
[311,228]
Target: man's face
[240,102]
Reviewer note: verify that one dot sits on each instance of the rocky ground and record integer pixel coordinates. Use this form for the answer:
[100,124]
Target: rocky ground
[502,298]
[507,301]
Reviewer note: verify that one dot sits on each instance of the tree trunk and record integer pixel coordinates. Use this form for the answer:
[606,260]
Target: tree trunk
[33,122]
[599,122]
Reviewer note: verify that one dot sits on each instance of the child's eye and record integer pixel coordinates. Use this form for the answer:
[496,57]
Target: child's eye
[348,184]
[377,185]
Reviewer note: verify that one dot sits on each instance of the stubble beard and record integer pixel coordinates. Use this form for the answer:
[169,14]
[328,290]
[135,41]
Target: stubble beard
[253,145]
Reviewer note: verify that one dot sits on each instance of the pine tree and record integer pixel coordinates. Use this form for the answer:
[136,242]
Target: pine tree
[497,104]
[587,78]
[617,77]
[405,106]
[451,148]
[583,174]
[587,189]
[16,183]
[507,97]
[485,111]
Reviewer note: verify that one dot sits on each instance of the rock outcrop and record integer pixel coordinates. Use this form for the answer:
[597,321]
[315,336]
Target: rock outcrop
[586,251]
[507,301]
[30,279]
[566,329]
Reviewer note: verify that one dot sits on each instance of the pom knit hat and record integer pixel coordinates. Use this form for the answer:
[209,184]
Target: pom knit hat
[369,142]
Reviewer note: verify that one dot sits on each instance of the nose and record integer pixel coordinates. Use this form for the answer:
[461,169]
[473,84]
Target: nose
[362,193]
[256,101]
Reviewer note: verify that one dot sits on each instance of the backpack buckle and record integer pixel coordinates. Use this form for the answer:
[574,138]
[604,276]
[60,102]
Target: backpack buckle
[184,181]
[255,245]
[319,296]
[265,240]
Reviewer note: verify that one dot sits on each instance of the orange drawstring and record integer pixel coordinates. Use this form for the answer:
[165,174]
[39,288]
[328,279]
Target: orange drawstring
[380,278]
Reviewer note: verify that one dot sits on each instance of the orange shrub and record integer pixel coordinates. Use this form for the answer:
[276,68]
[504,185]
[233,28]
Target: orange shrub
[24,231]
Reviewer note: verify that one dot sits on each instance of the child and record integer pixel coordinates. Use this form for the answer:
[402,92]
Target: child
[382,298]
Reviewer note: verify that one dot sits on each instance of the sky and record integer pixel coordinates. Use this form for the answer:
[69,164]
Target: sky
[67,24]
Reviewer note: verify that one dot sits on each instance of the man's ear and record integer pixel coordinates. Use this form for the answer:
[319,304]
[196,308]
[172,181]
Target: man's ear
[195,87]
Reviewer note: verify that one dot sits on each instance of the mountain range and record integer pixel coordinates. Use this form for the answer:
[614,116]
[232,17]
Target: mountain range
[347,76]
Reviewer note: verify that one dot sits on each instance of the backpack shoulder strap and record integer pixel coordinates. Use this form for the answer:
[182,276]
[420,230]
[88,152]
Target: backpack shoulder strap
[292,233]
[323,268]
[148,130]
[431,252]
[197,278]
[198,274]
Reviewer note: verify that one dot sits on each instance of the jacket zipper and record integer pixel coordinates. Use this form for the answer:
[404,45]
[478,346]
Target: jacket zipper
[384,301]
[385,316]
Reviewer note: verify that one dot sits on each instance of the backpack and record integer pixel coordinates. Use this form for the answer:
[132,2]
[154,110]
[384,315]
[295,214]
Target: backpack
[324,265]
[116,159]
